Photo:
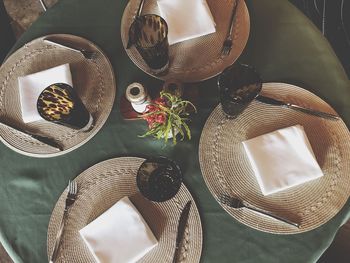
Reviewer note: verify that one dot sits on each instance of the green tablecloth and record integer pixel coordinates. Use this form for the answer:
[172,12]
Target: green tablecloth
[283,45]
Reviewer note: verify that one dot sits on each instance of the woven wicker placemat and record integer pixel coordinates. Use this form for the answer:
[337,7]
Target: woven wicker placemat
[226,169]
[93,79]
[199,58]
[101,186]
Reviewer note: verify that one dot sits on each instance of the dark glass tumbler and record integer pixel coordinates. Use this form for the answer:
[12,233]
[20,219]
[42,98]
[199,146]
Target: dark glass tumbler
[151,41]
[239,85]
[159,179]
[59,103]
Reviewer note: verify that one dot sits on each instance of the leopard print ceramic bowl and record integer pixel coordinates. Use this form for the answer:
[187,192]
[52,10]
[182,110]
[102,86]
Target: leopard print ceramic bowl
[151,41]
[59,103]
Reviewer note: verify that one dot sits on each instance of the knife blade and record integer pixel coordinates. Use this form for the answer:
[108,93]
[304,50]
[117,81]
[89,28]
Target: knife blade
[271,101]
[181,229]
[42,139]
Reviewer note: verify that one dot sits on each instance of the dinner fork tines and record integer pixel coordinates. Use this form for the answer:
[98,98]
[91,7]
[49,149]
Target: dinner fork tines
[72,194]
[70,199]
[227,45]
[235,202]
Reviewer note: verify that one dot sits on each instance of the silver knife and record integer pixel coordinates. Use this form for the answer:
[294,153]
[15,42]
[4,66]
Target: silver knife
[42,139]
[181,229]
[271,101]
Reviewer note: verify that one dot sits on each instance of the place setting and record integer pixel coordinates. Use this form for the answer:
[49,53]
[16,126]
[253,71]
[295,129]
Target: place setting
[126,209]
[56,94]
[274,155]
[167,40]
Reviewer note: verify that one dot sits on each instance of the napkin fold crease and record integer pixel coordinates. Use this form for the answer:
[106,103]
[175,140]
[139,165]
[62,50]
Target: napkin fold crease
[282,159]
[119,235]
[186,19]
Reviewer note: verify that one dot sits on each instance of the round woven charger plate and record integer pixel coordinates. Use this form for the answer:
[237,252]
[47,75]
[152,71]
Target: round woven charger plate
[93,79]
[199,58]
[226,168]
[101,186]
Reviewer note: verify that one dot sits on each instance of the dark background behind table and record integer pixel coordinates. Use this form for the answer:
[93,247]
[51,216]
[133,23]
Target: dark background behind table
[332,17]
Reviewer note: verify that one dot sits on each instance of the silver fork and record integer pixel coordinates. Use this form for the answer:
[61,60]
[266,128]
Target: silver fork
[227,45]
[70,199]
[235,202]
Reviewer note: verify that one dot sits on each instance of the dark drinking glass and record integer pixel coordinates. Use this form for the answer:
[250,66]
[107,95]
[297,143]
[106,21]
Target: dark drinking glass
[59,103]
[151,41]
[159,179]
[239,85]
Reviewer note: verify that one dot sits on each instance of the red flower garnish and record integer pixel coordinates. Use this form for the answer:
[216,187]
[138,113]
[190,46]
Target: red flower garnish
[167,111]
[156,117]
[161,118]
[151,108]
[160,101]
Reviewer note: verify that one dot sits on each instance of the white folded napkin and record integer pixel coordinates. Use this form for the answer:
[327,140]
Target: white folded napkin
[32,85]
[282,159]
[119,235]
[186,19]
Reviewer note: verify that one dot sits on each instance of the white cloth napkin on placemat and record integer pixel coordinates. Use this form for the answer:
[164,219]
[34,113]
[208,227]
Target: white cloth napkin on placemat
[119,235]
[186,19]
[32,85]
[282,159]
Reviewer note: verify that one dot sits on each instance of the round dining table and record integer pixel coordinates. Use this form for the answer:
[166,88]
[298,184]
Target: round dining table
[283,45]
